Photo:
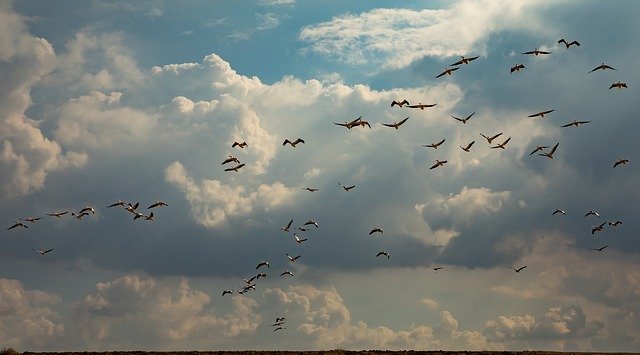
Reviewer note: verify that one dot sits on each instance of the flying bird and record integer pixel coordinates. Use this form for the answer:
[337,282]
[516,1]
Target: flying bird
[539,148]
[310,189]
[575,123]
[88,209]
[42,252]
[618,85]
[149,217]
[157,204]
[602,67]
[616,223]
[287,273]
[298,239]
[502,145]
[293,258]
[57,214]
[349,124]
[227,292]
[550,154]
[396,125]
[464,60]
[599,249]
[79,215]
[384,253]
[399,103]
[286,228]
[231,158]
[311,222]
[294,143]
[280,319]
[235,168]
[466,149]
[437,164]
[592,213]
[622,161]
[598,228]
[490,139]
[421,106]
[118,203]
[376,230]
[279,328]
[31,219]
[536,52]
[518,269]
[435,268]
[448,71]
[559,211]
[347,188]
[362,123]
[433,145]
[239,144]
[18,224]
[517,68]
[541,113]
[303,229]
[568,44]
[262,263]
[464,120]
[132,207]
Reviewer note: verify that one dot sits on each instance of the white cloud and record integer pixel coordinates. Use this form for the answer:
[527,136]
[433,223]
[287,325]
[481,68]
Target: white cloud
[429,302]
[277,2]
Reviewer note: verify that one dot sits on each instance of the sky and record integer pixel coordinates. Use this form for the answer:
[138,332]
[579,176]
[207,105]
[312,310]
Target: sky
[141,101]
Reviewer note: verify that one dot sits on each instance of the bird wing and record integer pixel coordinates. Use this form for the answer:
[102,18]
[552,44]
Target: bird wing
[441,74]
[434,166]
[554,148]
[299,140]
[470,144]
[458,62]
[388,124]
[403,121]
[496,136]
[48,250]
[459,119]
[471,115]
[568,124]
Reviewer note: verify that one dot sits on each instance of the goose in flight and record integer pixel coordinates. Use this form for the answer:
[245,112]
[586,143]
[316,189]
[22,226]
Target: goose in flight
[132,208]
[57,214]
[568,44]
[298,239]
[362,123]
[149,217]
[559,211]
[279,328]
[18,224]
[490,139]
[539,148]
[235,168]
[349,124]
[435,268]
[466,149]
[302,229]
[227,292]
[399,103]
[541,113]
[502,145]
[376,230]
[517,68]
[280,319]
[347,188]
[262,263]
[88,209]
[575,123]
[598,228]
[536,52]
[311,222]
[157,204]
[79,215]
[464,60]
[464,120]
[616,223]
[421,106]
[138,215]
[239,144]
[118,203]
[602,67]
[262,274]
[31,219]
[433,145]
[518,269]
[599,249]
[384,253]
[622,161]
[287,273]
[231,158]
[618,85]
[293,258]
[310,189]
[294,143]
[42,252]
[550,154]
[448,71]
[437,164]
[396,125]
[592,213]
[286,228]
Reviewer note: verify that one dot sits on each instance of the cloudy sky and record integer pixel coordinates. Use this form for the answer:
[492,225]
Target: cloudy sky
[141,101]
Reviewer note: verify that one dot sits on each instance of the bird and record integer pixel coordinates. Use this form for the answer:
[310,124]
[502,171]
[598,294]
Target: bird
[575,123]
[277,323]
[235,168]
[399,103]
[132,207]
[303,229]
[262,263]
[384,253]
[239,144]
[361,123]
[490,139]
[550,154]
[117,203]
[539,148]
[79,215]
[592,213]
[293,258]
[311,222]
[616,223]
[466,149]
[516,68]
[31,219]
[262,274]
[157,204]
[396,125]
[559,211]
[541,113]
[88,209]
[231,158]
[310,189]
[602,67]
[622,161]
[376,230]
[347,188]
[518,269]
[597,228]
[349,124]
[294,143]
[57,214]
[18,224]
[138,215]
[568,44]
[536,52]
[599,249]
[227,292]
[618,85]
[437,164]
[464,60]
[280,319]
[421,106]
[42,252]
[287,273]
[279,328]
[464,120]
[435,268]
[298,239]
[149,217]
[433,145]
[448,71]
[286,228]
[502,145]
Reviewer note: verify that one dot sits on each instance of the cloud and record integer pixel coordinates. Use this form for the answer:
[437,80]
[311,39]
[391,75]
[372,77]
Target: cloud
[277,2]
